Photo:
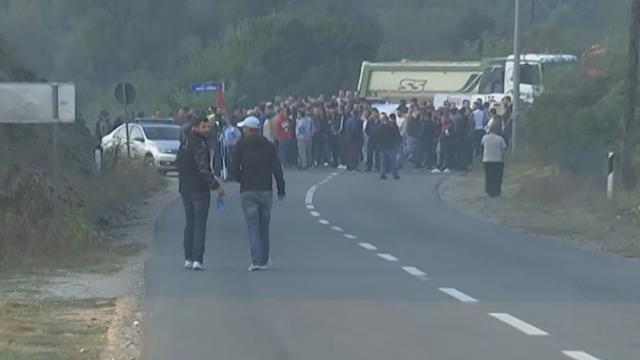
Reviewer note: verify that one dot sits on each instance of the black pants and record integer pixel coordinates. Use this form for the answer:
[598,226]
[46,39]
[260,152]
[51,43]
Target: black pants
[447,155]
[336,153]
[196,208]
[477,141]
[493,173]
[354,152]
[319,148]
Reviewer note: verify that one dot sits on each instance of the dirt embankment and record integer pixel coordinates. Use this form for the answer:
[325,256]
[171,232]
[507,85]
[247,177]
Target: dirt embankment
[537,202]
[85,312]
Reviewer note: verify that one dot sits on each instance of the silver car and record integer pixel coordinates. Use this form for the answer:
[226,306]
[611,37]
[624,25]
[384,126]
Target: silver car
[155,144]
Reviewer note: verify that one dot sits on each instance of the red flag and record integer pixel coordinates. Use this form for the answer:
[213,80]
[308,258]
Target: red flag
[220,96]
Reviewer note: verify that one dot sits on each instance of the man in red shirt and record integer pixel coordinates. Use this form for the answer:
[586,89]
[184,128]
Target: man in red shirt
[284,134]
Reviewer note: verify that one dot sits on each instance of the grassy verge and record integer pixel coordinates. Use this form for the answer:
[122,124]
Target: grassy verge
[540,200]
[52,330]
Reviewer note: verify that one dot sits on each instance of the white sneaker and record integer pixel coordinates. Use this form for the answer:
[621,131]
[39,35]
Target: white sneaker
[342,167]
[188,264]
[197,266]
[435,171]
[254,268]
[446,171]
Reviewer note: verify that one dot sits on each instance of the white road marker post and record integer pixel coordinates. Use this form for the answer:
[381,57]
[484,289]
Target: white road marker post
[611,175]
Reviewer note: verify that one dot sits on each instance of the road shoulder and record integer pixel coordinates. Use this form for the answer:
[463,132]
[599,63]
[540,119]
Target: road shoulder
[572,219]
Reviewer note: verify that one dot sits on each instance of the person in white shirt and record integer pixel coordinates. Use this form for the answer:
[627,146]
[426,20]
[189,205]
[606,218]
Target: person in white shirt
[493,160]
[479,118]
[267,129]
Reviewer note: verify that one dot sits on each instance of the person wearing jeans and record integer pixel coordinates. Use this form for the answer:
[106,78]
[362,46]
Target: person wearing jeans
[255,165]
[303,136]
[256,206]
[386,139]
[196,183]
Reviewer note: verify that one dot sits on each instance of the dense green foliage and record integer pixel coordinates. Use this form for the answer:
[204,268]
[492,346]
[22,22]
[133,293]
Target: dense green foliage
[311,46]
[265,48]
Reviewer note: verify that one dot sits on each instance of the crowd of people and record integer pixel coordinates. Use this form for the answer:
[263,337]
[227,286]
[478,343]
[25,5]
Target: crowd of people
[252,145]
[345,132]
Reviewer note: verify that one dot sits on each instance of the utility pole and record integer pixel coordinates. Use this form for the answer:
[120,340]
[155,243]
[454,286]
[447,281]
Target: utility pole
[629,178]
[516,78]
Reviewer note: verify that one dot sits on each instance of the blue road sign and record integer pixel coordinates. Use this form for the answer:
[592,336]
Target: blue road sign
[204,87]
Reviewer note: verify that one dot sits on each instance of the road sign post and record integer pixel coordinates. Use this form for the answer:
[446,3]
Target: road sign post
[515,115]
[126,94]
[55,173]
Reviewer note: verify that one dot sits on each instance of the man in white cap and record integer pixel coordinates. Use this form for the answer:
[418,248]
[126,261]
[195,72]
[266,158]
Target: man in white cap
[255,164]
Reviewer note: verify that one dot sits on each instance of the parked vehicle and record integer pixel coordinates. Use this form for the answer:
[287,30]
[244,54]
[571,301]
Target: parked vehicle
[491,79]
[154,121]
[155,145]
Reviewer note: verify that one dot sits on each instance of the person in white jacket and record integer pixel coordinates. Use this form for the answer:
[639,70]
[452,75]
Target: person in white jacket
[267,130]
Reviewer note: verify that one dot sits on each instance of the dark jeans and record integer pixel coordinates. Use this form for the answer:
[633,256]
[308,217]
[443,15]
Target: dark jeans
[388,162]
[373,157]
[319,148]
[196,209]
[283,151]
[257,211]
[493,173]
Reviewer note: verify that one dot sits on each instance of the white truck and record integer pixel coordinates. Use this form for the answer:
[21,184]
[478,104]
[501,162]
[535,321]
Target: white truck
[489,80]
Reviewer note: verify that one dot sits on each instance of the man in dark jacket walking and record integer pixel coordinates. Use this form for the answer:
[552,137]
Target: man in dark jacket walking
[196,183]
[386,140]
[255,164]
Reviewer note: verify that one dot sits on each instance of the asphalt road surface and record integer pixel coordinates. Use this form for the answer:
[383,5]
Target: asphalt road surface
[382,270]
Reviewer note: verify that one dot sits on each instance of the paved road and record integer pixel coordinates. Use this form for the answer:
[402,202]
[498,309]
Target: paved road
[367,269]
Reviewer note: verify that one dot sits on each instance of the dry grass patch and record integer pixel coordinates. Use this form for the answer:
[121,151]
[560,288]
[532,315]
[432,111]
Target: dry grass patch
[51,330]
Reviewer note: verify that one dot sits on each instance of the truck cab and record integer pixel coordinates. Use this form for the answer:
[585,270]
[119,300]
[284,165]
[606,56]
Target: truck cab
[497,78]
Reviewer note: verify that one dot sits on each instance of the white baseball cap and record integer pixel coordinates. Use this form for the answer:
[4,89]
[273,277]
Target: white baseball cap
[250,122]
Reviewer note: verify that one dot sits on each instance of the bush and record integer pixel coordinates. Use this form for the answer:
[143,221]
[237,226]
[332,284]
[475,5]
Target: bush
[29,228]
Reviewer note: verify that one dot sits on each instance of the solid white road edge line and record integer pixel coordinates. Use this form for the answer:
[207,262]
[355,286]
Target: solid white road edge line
[519,324]
[314,213]
[388,257]
[323,222]
[579,355]
[458,295]
[337,228]
[368,246]
[351,237]
[414,271]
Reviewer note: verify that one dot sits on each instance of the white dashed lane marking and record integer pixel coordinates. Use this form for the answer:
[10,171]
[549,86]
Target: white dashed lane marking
[414,271]
[508,319]
[388,257]
[309,198]
[579,355]
[519,324]
[458,295]
[367,246]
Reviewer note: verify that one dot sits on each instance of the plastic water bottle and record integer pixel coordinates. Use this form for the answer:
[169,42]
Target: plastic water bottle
[220,203]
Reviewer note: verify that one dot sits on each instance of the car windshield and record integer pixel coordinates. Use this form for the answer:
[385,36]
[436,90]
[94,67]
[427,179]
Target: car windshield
[162,132]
